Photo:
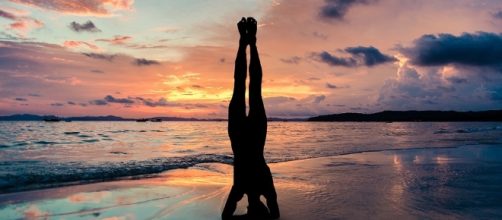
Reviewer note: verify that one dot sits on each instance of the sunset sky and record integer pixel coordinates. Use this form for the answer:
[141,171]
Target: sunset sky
[175,57]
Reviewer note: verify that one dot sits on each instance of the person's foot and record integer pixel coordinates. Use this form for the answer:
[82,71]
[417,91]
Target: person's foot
[251,26]
[241,25]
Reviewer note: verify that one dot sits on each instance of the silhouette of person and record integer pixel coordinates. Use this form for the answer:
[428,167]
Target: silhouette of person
[247,134]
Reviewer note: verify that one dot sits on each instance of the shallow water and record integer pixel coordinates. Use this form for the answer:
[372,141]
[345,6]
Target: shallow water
[35,153]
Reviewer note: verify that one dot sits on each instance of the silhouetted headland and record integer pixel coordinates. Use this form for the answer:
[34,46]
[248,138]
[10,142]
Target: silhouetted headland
[410,116]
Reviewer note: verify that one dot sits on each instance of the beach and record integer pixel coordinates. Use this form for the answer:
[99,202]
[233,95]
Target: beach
[453,183]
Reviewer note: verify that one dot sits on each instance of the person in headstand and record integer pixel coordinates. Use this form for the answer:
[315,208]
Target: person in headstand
[247,134]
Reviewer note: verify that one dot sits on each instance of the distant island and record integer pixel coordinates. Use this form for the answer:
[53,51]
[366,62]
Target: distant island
[384,116]
[31,117]
[410,116]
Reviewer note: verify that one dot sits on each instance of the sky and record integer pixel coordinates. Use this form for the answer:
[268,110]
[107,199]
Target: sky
[145,58]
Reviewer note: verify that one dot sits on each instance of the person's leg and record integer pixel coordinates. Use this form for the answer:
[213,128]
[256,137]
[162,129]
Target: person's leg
[257,116]
[236,120]
[237,107]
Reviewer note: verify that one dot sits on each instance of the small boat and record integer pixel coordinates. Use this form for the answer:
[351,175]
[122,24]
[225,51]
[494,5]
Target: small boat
[156,120]
[142,120]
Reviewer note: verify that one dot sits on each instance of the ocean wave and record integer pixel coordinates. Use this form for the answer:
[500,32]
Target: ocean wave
[467,130]
[27,175]
[20,175]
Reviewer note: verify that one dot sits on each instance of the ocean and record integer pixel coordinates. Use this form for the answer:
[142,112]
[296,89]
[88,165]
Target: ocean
[42,154]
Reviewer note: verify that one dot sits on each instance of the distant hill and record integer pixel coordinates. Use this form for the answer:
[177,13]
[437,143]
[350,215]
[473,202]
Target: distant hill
[390,116]
[25,117]
[31,117]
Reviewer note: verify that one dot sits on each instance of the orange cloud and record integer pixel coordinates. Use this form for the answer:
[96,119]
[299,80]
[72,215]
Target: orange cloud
[80,44]
[117,40]
[20,22]
[89,7]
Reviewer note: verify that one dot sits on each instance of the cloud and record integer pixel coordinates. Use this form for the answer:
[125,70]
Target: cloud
[472,49]
[370,56]
[98,102]
[85,27]
[442,88]
[21,23]
[359,56]
[455,79]
[7,15]
[57,104]
[332,60]
[96,71]
[319,99]
[80,44]
[292,60]
[21,99]
[129,101]
[498,15]
[145,62]
[116,40]
[337,9]
[274,100]
[87,7]
[111,99]
[331,86]
[99,56]
[161,102]
[71,103]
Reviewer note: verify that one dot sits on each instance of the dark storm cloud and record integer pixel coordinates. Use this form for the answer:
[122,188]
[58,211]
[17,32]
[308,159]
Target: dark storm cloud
[472,49]
[336,9]
[369,55]
[100,56]
[111,99]
[85,27]
[359,56]
[145,62]
[332,60]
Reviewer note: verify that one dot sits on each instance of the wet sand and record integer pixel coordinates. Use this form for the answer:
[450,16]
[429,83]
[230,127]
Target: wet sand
[459,183]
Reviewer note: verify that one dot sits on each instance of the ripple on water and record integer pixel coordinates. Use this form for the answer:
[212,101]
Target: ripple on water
[71,132]
[84,136]
[90,140]
[45,142]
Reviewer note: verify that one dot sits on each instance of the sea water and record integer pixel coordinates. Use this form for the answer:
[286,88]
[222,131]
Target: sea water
[40,154]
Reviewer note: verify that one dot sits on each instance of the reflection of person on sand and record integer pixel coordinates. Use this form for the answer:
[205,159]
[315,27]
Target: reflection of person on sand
[248,133]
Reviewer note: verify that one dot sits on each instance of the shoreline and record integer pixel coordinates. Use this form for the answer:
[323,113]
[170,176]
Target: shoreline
[384,184]
[157,174]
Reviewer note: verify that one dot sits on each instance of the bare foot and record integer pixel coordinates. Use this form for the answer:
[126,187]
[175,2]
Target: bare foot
[241,25]
[251,26]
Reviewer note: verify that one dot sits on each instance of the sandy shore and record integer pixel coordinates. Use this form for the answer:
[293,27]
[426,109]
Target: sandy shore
[464,182]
